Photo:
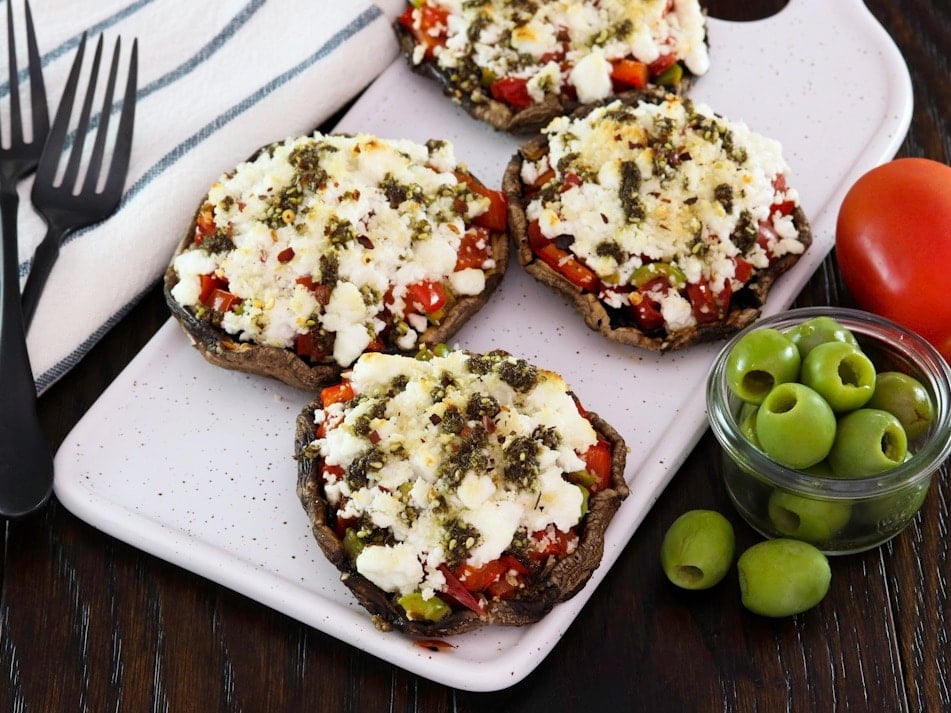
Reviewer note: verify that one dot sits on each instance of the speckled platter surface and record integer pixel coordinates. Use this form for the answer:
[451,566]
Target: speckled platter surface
[193,464]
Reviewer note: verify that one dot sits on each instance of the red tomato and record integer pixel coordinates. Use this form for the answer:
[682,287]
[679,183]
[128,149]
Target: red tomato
[893,245]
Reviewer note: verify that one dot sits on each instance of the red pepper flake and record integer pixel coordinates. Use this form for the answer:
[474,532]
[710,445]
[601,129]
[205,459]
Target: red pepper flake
[365,242]
[373,437]
[286,255]
[435,645]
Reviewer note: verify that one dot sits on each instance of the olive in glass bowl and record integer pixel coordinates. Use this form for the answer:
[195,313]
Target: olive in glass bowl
[859,485]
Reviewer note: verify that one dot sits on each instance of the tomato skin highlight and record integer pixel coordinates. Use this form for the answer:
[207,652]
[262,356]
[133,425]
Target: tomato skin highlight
[893,245]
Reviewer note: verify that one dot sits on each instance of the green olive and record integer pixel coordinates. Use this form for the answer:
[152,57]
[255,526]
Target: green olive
[783,577]
[747,422]
[893,509]
[840,373]
[906,398]
[805,518]
[760,360]
[795,426]
[697,550]
[819,330]
[867,442]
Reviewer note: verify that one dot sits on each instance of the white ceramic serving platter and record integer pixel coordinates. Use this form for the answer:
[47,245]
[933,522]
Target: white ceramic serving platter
[194,464]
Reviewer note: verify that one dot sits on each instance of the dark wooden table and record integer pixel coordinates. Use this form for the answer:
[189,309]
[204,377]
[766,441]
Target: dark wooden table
[88,623]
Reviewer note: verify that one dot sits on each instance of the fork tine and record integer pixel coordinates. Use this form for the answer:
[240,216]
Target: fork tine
[95,161]
[123,148]
[16,125]
[41,117]
[79,140]
[56,140]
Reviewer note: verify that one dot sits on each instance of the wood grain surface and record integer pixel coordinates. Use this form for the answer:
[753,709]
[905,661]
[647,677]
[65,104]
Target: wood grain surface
[88,623]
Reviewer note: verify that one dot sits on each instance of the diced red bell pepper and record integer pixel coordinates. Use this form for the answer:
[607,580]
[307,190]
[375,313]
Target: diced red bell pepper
[511,91]
[742,270]
[204,224]
[568,265]
[473,250]
[222,300]
[571,181]
[286,255]
[551,543]
[426,297]
[783,207]
[597,460]
[432,29]
[662,63]
[629,73]
[331,473]
[478,579]
[536,238]
[540,181]
[210,283]
[308,346]
[496,216]
[337,393]
[646,311]
[342,524]
[703,302]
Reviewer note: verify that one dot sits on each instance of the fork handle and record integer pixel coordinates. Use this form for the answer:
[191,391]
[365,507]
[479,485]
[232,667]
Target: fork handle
[43,259]
[26,463]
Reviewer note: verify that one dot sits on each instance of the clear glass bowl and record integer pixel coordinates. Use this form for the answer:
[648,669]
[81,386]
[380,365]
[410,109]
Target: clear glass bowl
[838,515]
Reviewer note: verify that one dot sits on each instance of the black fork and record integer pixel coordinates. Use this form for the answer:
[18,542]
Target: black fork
[26,463]
[63,207]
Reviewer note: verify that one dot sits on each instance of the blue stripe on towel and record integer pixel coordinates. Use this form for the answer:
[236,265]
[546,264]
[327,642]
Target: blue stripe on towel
[372,13]
[204,54]
[72,42]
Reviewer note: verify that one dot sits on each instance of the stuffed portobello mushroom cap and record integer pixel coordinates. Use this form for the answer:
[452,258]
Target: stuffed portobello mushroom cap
[617,324]
[477,100]
[237,351]
[557,580]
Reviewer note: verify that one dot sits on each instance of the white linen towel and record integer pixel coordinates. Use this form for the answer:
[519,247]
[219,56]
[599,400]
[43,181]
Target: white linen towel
[216,81]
